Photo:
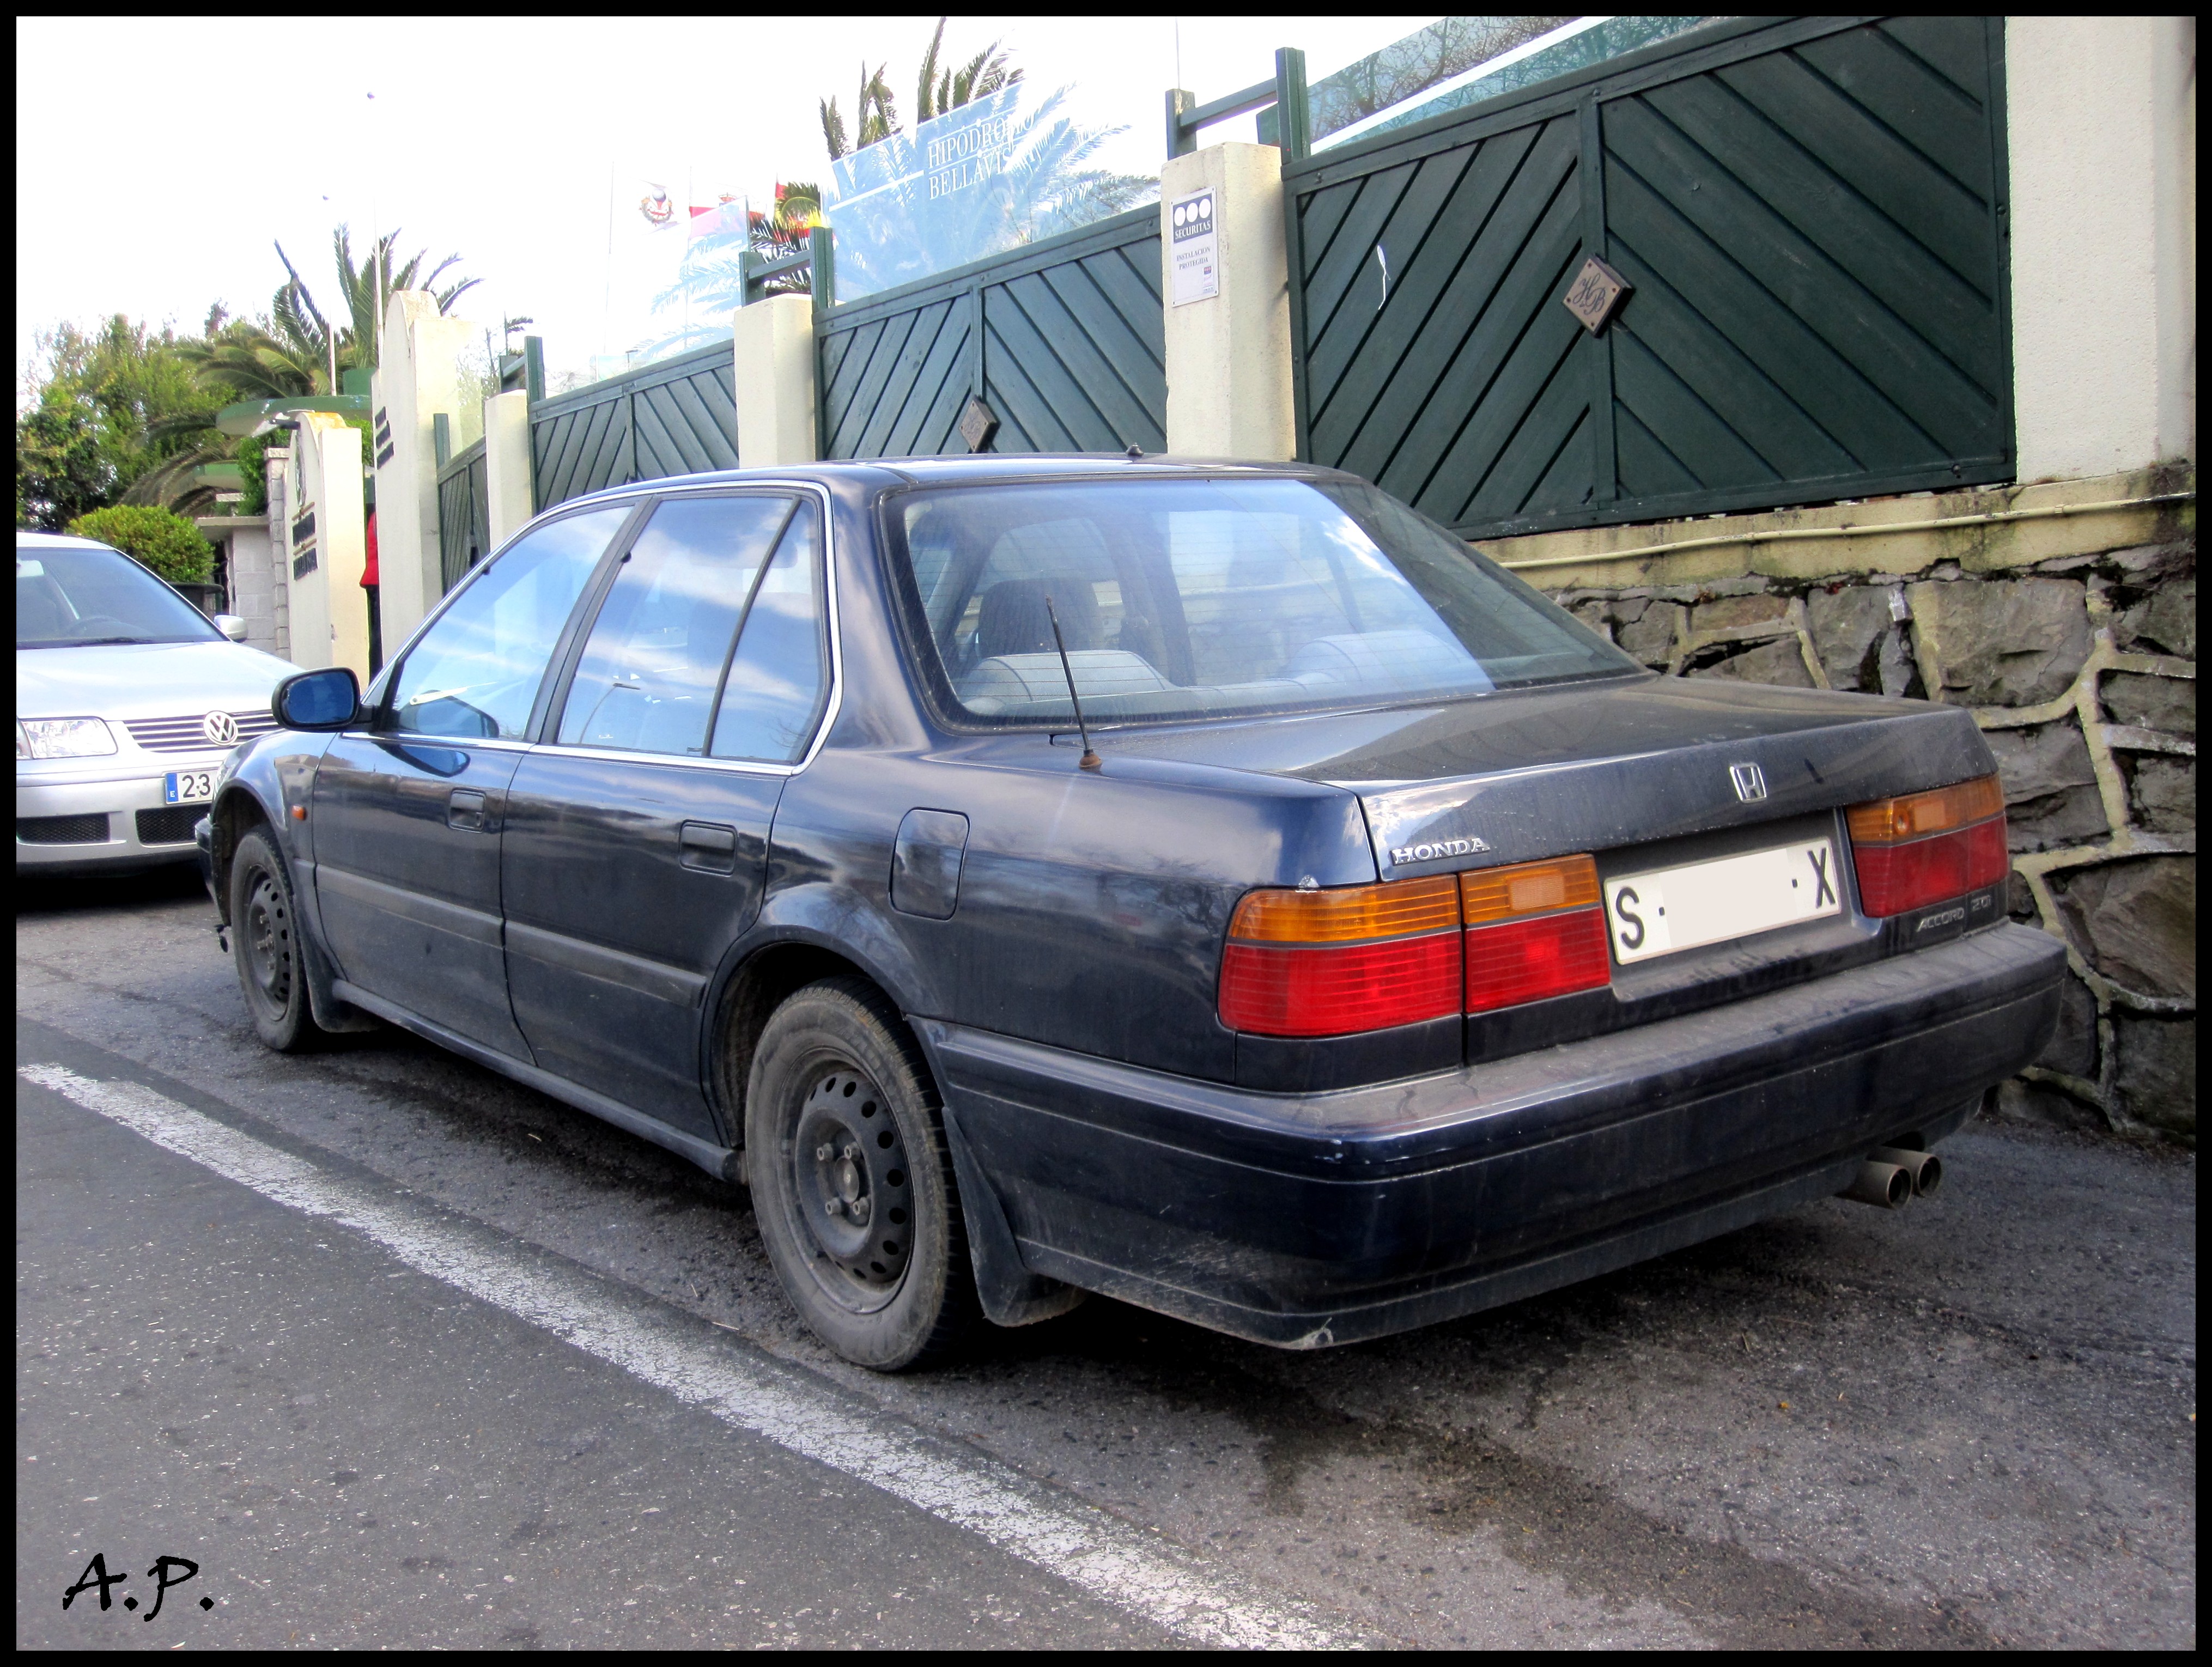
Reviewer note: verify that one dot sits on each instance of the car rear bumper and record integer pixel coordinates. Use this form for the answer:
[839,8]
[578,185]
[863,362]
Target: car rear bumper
[1309,1220]
[78,825]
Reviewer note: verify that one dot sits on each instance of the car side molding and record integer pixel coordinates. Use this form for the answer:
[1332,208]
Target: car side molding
[725,1163]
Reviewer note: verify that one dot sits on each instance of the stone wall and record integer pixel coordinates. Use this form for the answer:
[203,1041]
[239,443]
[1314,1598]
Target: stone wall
[2074,647]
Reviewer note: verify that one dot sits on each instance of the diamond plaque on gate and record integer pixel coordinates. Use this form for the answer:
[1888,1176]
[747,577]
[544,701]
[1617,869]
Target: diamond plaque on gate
[1595,294]
[977,424]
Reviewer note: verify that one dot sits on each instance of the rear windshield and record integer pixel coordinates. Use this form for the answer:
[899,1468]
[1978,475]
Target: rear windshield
[68,597]
[1202,596]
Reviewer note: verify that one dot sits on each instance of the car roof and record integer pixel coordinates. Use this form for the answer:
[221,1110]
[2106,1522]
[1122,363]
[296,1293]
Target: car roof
[53,541]
[885,472]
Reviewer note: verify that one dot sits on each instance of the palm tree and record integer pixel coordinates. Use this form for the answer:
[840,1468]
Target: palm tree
[874,112]
[292,353]
[986,73]
[937,91]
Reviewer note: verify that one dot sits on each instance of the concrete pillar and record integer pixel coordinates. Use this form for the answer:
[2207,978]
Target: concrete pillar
[1228,354]
[2102,122]
[775,347]
[329,546]
[276,462]
[506,465]
[419,379]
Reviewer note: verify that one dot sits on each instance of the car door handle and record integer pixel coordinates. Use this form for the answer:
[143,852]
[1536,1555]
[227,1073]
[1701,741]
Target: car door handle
[465,809]
[709,847]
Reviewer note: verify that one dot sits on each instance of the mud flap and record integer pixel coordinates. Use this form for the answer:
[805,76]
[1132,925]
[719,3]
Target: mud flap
[1011,1293]
[330,1014]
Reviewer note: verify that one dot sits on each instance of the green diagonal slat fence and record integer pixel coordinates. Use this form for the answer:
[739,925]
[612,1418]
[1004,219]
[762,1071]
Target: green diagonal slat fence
[678,416]
[464,514]
[1810,212]
[1062,339]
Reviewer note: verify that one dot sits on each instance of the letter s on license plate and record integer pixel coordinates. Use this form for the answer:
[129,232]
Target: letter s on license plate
[187,786]
[1669,909]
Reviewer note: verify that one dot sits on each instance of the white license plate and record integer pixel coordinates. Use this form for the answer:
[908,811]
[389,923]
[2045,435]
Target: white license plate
[187,786]
[1699,903]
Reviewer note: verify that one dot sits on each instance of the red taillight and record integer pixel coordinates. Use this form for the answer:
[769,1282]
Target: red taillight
[1526,960]
[1534,930]
[1912,851]
[1330,963]
[1331,993]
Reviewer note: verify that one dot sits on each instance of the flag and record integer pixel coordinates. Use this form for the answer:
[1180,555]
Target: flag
[724,219]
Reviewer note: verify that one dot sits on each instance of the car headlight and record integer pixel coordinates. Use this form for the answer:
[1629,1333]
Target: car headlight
[63,737]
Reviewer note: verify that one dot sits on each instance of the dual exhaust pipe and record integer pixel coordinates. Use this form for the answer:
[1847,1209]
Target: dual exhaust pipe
[1890,1179]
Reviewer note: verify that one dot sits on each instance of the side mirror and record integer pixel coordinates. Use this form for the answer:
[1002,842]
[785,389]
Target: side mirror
[231,626]
[325,699]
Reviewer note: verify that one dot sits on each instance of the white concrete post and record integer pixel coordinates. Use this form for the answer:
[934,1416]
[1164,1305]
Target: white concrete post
[1228,354]
[276,462]
[2100,116]
[419,379]
[329,548]
[774,349]
[506,465]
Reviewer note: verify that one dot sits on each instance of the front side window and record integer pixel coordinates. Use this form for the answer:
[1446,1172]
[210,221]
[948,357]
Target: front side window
[476,671]
[656,652]
[1202,596]
[70,597]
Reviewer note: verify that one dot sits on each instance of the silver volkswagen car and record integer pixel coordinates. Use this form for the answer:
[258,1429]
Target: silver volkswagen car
[126,700]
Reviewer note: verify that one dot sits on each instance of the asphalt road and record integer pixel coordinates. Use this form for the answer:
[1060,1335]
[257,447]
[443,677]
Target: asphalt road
[1968,1424]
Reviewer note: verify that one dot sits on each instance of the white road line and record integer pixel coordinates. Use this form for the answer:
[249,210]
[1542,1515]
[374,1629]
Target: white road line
[1083,1545]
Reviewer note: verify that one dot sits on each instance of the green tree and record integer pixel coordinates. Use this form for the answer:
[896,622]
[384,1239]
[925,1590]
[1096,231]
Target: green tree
[59,471]
[109,410]
[160,540]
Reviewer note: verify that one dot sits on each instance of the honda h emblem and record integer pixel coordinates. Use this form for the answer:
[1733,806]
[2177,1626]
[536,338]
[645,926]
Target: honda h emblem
[220,728]
[1750,784]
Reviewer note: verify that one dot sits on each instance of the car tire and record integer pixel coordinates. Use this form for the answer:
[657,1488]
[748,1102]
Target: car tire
[852,1181]
[265,934]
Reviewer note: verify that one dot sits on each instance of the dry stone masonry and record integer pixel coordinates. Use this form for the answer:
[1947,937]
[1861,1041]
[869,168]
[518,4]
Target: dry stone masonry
[2081,667]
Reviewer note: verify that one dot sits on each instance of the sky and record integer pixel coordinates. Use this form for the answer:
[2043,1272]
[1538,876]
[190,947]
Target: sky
[524,145]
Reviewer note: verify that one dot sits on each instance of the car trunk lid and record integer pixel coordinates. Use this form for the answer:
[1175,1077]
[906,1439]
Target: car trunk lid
[1593,766]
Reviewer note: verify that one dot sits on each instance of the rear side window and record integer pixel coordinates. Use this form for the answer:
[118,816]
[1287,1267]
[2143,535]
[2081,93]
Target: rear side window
[654,659]
[1200,596]
[780,676]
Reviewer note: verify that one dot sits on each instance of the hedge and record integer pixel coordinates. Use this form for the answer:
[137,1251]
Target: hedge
[159,539]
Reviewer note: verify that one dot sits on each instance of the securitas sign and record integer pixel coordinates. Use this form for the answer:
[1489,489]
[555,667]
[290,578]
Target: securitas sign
[1195,248]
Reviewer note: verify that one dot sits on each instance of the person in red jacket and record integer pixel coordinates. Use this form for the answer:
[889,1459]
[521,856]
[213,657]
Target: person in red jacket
[369,582]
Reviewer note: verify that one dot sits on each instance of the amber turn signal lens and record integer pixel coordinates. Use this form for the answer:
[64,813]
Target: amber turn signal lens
[1506,893]
[1348,913]
[1885,821]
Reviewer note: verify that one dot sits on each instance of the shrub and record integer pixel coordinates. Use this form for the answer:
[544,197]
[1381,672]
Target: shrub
[159,539]
[253,465]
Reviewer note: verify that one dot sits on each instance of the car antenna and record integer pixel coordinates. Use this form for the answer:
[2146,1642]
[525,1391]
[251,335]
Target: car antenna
[1089,760]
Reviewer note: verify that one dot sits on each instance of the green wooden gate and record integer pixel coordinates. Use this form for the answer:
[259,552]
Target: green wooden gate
[1062,340]
[678,416]
[1812,217]
[464,513]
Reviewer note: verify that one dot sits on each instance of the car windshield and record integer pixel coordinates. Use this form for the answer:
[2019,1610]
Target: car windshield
[68,596]
[1200,596]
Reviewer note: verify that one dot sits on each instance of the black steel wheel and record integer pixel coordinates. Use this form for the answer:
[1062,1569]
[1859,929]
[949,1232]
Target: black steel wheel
[264,937]
[852,1184]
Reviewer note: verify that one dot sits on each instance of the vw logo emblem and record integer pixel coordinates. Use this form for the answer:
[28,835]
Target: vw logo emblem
[220,729]
[1750,782]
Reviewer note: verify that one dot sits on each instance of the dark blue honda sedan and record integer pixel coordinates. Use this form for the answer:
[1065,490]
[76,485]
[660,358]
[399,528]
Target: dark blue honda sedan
[1212,885]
